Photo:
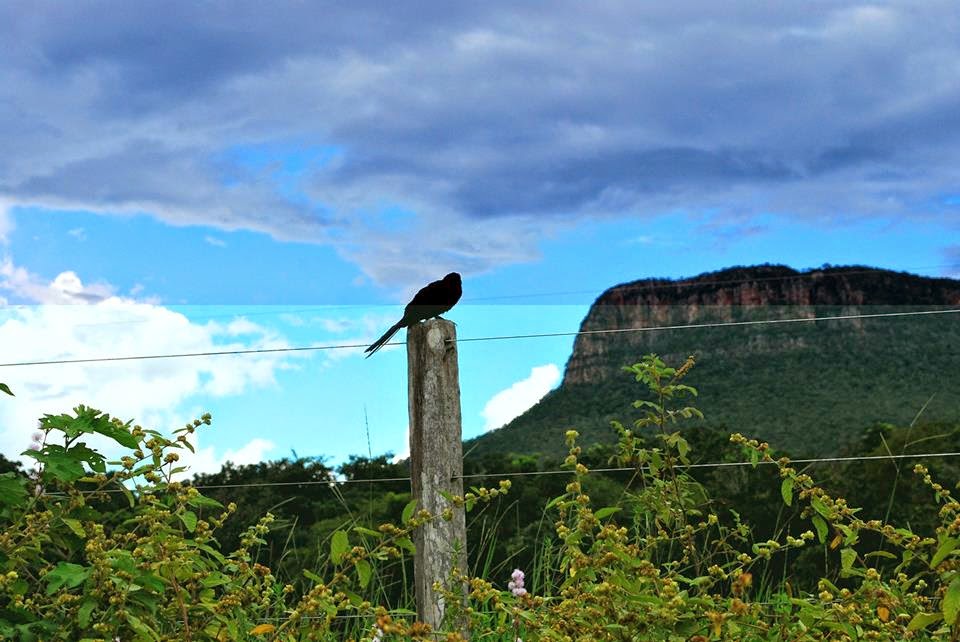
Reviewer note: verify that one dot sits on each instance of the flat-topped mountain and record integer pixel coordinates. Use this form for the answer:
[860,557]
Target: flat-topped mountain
[808,387]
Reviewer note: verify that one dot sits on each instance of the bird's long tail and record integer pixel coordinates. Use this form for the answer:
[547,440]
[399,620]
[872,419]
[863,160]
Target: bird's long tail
[376,345]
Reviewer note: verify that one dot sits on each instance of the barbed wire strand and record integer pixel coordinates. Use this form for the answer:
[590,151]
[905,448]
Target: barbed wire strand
[534,473]
[657,284]
[718,324]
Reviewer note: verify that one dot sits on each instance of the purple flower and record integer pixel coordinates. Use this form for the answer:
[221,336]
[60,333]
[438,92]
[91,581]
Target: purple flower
[516,583]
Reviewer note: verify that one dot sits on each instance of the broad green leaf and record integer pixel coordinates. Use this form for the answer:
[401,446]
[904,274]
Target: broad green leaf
[408,511]
[406,544]
[946,547]
[75,526]
[553,502]
[126,493]
[189,519]
[310,575]
[83,613]
[339,545]
[65,574]
[368,532]
[951,602]
[923,620]
[82,453]
[850,536]
[820,507]
[5,388]
[607,511]
[58,463]
[199,501]
[13,489]
[847,557]
[786,490]
[215,578]
[364,572]
[821,527]
[141,627]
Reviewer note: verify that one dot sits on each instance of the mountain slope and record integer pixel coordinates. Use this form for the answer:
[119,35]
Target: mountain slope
[808,388]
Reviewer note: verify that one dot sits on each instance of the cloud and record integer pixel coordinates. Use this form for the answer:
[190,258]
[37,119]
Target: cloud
[512,402]
[154,392]
[78,233]
[535,119]
[207,460]
[214,241]
[65,288]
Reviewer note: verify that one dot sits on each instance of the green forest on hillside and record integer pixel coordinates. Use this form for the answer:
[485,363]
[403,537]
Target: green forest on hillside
[809,389]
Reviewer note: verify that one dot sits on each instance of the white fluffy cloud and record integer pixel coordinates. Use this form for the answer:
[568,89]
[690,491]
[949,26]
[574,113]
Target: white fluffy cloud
[520,397]
[206,460]
[158,393]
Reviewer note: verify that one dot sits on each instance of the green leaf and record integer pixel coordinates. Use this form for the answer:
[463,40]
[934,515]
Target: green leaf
[951,602]
[408,511]
[850,536]
[607,511]
[310,575]
[5,388]
[364,572]
[65,574]
[215,578]
[83,613]
[339,545]
[923,620]
[821,527]
[553,502]
[406,544]
[820,507]
[368,532]
[189,519]
[141,627]
[13,489]
[847,557]
[126,493]
[786,490]
[199,501]
[58,463]
[946,547]
[75,526]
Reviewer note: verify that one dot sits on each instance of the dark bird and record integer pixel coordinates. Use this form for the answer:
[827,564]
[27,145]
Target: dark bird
[431,301]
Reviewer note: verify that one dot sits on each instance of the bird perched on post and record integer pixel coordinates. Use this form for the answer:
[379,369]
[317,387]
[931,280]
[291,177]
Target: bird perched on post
[431,301]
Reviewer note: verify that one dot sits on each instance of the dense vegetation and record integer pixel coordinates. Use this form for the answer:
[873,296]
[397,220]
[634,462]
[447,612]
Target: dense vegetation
[760,550]
[808,389]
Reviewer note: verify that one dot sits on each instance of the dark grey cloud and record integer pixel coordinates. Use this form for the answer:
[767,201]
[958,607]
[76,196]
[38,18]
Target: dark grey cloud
[492,121]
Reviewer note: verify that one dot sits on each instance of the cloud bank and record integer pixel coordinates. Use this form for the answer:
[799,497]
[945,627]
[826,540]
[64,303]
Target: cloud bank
[494,123]
[159,393]
[512,402]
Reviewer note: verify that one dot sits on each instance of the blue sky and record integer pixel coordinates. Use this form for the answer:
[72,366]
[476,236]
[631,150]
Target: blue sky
[290,175]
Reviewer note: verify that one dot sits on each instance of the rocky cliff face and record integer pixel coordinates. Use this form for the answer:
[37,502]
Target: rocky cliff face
[740,294]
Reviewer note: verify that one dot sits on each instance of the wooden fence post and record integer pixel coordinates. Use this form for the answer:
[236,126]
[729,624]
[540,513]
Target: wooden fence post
[436,460]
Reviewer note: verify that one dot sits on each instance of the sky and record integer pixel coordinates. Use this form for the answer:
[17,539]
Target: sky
[239,175]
